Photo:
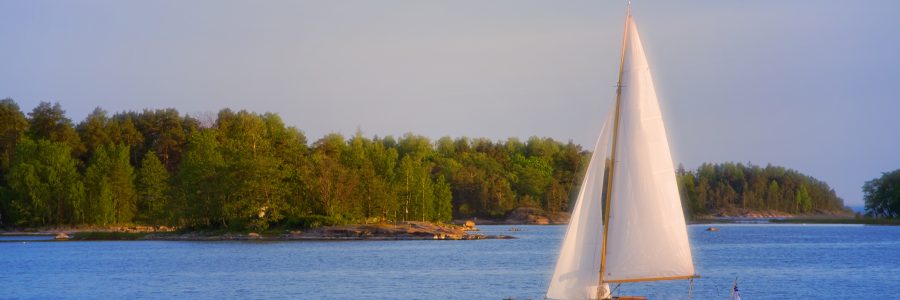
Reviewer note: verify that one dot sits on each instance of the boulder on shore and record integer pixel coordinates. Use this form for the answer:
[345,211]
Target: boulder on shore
[253,236]
[469,226]
[62,236]
[536,216]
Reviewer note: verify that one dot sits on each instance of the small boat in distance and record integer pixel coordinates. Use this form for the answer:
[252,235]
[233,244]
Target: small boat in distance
[627,224]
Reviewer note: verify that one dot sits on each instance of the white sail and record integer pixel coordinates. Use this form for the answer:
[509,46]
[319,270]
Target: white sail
[647,237]
[578,266]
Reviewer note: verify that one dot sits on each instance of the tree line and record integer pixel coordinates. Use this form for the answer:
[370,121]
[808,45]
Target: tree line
[249,170]
[732,187]
[240,169]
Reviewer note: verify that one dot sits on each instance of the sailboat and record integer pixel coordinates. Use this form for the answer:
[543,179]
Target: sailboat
[627,224]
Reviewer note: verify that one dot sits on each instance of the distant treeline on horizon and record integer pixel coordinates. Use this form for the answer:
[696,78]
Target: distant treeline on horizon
[251,171]
[733,187]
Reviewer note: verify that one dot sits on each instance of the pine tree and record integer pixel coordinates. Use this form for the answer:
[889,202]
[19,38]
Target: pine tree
[50,122]
[94,130]
[153,191]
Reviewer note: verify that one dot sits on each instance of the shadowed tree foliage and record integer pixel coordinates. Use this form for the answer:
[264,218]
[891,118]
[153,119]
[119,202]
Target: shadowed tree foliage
[164,131]
[199,189]
[882,195]
[94,130]
[152,188]
[50,122]
[731,187]
[12,127]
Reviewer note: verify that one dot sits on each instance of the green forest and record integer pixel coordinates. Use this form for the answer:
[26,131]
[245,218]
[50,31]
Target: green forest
[730,187]
[245,170]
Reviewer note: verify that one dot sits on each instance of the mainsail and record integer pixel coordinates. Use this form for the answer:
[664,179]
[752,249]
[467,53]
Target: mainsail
[646,238]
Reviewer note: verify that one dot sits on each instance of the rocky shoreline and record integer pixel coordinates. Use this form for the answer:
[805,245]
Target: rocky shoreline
[526,216]
[769,214]
[463,230]
[402,231]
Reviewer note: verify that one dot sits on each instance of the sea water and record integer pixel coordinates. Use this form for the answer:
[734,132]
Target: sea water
[769,261]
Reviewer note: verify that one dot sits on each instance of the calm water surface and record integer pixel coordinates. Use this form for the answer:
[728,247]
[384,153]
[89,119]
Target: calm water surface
[772,261]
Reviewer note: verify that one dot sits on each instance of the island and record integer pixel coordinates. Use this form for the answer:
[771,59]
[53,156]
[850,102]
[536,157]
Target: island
[240,172]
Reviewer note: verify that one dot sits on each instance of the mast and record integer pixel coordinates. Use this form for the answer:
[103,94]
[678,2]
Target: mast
[612,156]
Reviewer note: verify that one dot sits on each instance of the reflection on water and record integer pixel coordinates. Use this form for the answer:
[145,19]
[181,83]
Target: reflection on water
[772,261]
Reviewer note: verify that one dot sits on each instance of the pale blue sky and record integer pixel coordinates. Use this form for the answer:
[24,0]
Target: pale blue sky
[810,85]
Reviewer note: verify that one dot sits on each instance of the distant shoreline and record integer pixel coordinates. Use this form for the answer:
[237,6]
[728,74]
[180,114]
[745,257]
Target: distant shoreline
[816,219]
[401,231]
[862,221]
[356,232]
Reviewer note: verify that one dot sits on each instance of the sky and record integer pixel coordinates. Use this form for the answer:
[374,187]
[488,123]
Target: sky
[809,85]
